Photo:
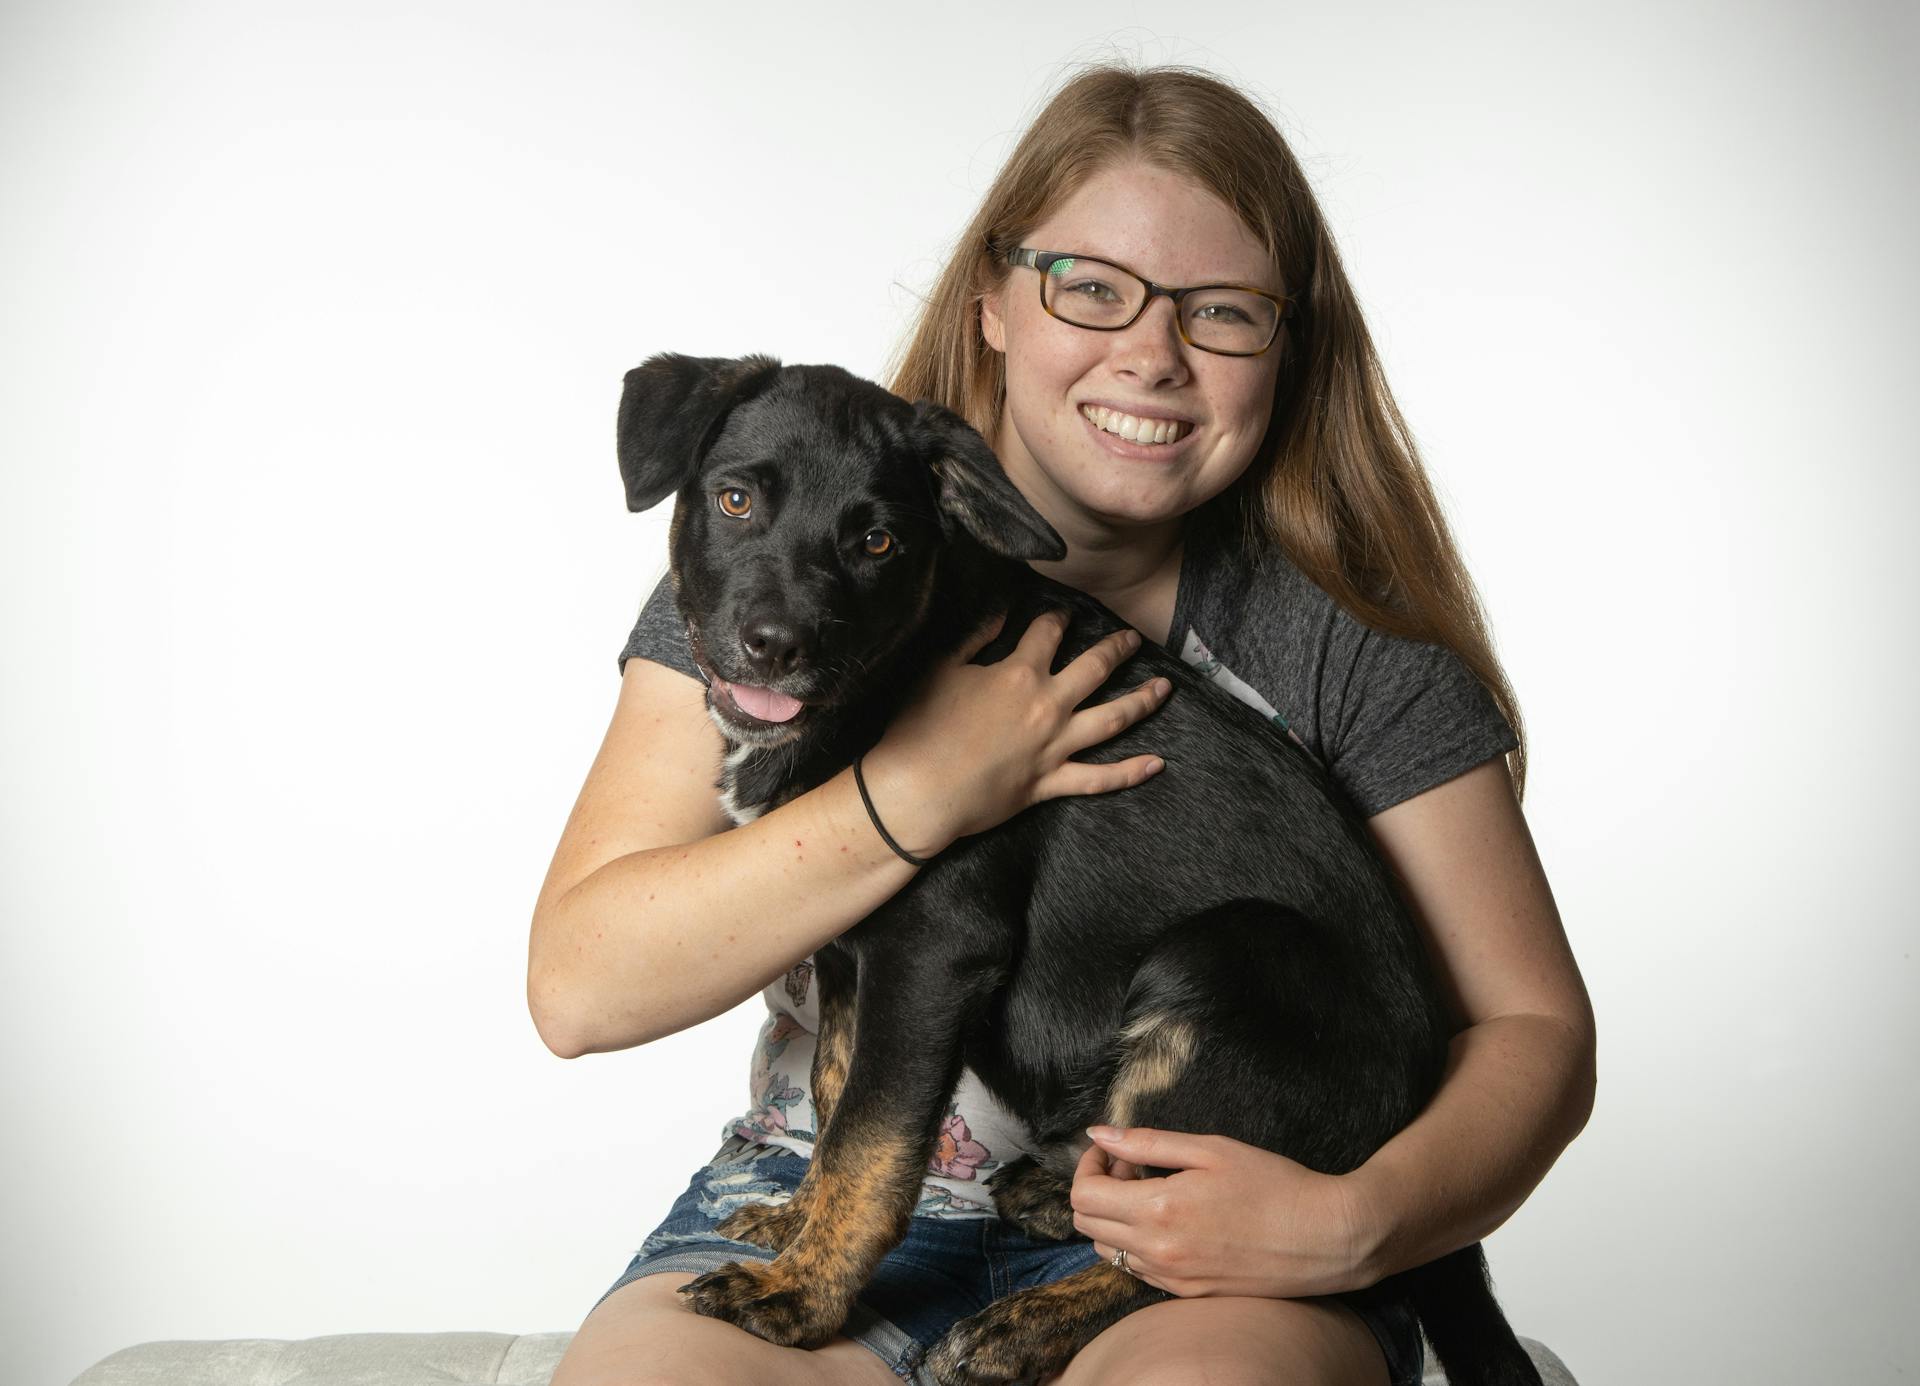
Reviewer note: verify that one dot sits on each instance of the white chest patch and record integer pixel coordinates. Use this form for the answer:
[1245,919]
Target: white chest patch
[739,813]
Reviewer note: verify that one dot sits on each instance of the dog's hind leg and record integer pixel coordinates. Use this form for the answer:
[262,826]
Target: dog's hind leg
[1251,1021]
[1259,1024]
[1242,1021]
[775,1225]
[1034,1333]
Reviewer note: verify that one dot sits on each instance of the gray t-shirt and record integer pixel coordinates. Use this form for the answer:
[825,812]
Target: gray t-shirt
[1388,717]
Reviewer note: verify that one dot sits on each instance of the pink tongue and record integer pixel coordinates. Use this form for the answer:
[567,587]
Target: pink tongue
[763,703]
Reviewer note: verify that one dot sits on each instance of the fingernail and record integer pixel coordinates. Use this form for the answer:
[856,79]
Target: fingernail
[1105,1133]
[1163,686]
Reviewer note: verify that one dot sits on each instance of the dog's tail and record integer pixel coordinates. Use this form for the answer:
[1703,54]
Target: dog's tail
[1454,1299]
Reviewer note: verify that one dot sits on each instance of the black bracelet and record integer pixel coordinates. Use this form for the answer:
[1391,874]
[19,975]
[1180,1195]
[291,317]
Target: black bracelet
[867,799]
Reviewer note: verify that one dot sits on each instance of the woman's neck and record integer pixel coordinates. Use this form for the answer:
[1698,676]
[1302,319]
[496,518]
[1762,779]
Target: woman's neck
[1135,573]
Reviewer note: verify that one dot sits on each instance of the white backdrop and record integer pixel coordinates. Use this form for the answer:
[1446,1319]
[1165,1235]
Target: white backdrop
[315,565]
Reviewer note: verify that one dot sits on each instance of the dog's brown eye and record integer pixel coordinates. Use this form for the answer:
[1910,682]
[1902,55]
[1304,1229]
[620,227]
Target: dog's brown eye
[878,543]
[735,502]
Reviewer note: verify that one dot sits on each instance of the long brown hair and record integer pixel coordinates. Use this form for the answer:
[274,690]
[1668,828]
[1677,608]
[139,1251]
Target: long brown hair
[1337,484]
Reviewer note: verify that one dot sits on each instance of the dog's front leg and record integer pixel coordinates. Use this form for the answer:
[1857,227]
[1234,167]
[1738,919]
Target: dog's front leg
[775,1225]
[869,1163]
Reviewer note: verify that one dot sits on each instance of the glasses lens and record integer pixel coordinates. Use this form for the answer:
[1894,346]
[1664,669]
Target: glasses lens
[1230,320]
[1091,293]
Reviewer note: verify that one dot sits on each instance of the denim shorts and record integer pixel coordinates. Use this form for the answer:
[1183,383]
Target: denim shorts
[945,1270]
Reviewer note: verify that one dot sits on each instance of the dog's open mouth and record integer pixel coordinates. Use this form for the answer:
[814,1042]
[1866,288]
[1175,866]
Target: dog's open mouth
[746,712]
[761,704]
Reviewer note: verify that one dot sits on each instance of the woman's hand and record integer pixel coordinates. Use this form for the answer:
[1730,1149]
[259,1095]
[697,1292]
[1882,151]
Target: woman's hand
[1231,1220]
[977,743]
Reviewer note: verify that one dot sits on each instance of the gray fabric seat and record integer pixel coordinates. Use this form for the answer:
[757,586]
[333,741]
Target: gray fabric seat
[411,1359]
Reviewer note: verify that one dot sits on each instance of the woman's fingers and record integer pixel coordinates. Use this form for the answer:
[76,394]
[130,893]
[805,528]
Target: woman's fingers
[1078,777]
[1104,721]
[1094,665]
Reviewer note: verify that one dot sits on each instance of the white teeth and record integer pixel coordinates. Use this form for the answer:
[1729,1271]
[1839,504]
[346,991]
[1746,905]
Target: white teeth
[1133,428]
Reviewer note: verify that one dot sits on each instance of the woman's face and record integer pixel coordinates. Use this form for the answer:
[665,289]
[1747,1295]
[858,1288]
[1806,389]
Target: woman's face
[1086,478]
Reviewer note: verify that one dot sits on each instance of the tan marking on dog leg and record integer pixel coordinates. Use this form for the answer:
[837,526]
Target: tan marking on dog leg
[1036,1332]
[832,1056]
[857,1211]
[1158,1048]
[776,1228]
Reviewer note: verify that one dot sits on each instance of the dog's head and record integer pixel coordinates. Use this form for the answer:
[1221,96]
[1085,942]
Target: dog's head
[812,508]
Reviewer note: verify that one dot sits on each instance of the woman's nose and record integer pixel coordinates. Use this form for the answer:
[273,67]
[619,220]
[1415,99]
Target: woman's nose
[1150,349]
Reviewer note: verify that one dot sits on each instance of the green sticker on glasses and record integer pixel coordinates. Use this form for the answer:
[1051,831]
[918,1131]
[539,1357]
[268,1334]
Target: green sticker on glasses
[1060,266]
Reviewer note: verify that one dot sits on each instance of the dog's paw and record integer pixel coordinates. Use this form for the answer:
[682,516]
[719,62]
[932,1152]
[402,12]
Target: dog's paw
[1000,1346]
[771,1225]
[763,1300]
[1034,1199]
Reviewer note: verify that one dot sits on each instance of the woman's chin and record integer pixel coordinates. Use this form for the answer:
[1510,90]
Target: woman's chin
[1126,512]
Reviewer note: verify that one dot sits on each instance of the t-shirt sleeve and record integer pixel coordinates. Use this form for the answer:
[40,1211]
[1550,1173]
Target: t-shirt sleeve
[660,634]
[1401,716]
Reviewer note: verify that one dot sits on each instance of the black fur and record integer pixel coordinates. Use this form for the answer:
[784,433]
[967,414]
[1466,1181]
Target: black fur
[1233,893]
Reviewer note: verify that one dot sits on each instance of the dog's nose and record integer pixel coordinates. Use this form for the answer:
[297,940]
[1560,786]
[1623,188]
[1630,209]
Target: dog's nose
[775,647]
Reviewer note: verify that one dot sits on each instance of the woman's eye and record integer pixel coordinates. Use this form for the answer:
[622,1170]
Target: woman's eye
[878,543]
[735,502]
[1089,288]
[1223,312]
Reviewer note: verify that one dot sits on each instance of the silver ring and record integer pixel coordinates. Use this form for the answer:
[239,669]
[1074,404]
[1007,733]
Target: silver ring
[1120,1261]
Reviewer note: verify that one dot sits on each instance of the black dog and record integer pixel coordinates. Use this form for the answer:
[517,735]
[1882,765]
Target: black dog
[1094,959]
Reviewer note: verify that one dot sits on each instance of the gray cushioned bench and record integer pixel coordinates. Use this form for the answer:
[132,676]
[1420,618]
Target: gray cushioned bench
[410,1359]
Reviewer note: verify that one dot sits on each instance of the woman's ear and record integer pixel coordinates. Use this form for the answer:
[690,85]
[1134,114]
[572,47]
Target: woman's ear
[992,326]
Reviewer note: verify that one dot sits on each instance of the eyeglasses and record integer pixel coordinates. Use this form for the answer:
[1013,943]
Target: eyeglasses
[1226,319]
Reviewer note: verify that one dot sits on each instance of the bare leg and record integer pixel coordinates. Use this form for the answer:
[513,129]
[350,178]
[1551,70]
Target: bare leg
[1232,1342]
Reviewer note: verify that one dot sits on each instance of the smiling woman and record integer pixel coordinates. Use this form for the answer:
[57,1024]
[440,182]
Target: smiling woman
[1138,429]
[1148,321]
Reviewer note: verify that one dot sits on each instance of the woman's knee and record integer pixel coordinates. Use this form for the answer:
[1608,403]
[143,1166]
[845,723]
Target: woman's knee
[642,1335]
[1231,1342]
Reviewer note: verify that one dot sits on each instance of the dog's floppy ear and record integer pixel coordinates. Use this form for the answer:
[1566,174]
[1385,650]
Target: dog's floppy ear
[974,492]
[671,410]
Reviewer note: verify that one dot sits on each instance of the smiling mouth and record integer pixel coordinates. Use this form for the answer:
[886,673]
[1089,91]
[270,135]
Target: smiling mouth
[1133,428]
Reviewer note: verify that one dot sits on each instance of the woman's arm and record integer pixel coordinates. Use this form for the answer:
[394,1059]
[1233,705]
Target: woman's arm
[653,917]
[1518,1087]
[1520,1076]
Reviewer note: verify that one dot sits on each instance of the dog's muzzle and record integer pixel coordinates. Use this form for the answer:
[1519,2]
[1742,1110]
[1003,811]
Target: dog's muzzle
[754,713]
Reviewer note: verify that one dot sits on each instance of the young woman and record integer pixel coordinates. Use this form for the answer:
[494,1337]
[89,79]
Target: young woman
[1231,477]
